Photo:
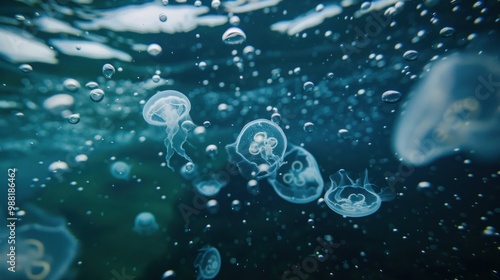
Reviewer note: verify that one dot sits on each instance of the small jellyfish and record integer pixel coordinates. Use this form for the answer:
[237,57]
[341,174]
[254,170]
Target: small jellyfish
[298,180]
[145,224]
[351,199]
[455,106]
[209,185]
[120,170]
[208,263]
[170,109]
[259,149]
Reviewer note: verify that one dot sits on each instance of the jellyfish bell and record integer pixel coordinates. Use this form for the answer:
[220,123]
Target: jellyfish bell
[207,263]
[259,149]
[298,180]
[455,107]
[170,109]
[355,198]
[145,224]
[120,170]
[210,185]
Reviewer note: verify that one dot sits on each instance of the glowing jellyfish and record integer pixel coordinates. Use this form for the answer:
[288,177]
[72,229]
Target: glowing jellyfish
[208,263]
[259,149]
[298,180]
[209,185]
[455,107]
[43,250]
[145,224]
[120,170]
[170,109]
[351,199]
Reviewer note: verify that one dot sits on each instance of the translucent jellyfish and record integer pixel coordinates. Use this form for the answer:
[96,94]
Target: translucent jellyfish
[455,107]
[145,224]
[258,150]
[351,199]
[170,109]
[209,185]
[207,263]
[44,249]
[120,170]
[298,180]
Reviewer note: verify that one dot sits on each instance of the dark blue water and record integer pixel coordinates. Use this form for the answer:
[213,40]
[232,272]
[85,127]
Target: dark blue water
[448,230]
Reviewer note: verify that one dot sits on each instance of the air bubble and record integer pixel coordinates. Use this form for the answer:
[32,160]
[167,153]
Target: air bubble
[108,70]
[344,134]
[410,55]
[308,86]
[308,127]
[97,95]
[391,96]
[74,118]
[26,68]
[446,32]
[154,49]
[234,36]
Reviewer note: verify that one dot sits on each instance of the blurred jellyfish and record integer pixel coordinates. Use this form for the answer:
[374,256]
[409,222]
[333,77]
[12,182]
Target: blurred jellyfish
[208,263]
[120,170]
[258,150]
[298,180]
[170,108]
[351,199]
[209,185]
[455,106]
[145,224]
[44,249]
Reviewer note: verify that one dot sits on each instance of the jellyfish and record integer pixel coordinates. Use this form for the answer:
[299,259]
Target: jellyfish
[120,170]
[455,107]
[351,199]
[207,263]
[209,185]
[170,109]
[258,150]
[145,224]
[44,249]
[298,180]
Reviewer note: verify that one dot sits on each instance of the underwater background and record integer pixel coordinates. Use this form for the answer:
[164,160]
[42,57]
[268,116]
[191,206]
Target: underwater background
[406,91]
